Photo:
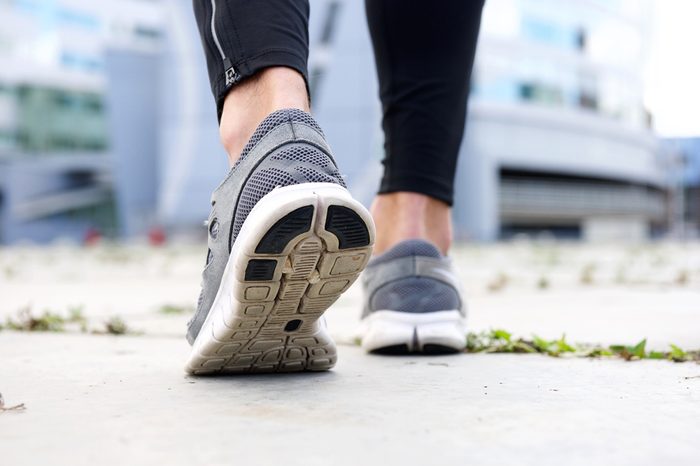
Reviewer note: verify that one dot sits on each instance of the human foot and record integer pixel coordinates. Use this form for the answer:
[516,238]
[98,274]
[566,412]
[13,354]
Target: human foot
[253,99]
[285,240]
[402,216]
[412,302]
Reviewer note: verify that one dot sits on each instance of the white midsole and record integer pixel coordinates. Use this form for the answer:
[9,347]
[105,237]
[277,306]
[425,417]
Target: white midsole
[387,328]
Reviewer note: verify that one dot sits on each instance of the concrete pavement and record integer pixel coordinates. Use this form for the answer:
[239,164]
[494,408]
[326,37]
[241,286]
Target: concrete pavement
[124,400]
[99,399]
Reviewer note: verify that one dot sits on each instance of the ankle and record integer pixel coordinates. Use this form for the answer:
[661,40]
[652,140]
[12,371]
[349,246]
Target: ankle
[404,215]
[255,98]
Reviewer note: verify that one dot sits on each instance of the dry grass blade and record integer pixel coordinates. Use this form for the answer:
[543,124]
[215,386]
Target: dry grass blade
[3,408]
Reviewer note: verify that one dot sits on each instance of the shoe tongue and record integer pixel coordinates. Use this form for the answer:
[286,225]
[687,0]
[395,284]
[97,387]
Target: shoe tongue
[411,247]
[272,121]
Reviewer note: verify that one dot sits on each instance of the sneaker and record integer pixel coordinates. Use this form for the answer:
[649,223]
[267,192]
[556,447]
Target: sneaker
[285,240]
[412,302]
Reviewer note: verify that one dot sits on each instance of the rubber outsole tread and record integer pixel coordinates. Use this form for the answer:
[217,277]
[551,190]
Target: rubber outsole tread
[287,228]
[393,350]
[349,227]
[437,350]
[405,350]
[280,286]
[260,270]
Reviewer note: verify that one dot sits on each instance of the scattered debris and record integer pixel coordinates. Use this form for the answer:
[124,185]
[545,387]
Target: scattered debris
[587,276]
[3,408]
[498,283]
[682,277]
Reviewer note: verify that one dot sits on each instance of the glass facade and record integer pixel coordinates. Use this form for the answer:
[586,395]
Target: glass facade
[59,120]
[587,56]
[55,146]
[52,79]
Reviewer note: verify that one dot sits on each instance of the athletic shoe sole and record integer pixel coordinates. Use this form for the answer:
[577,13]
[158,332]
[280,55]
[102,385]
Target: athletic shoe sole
[298,250]
[392,332]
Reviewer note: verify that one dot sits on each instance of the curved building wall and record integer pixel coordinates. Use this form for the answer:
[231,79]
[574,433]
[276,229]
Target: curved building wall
[558,137]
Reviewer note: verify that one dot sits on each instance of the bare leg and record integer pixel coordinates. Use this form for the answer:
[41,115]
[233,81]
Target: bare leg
[255,98]
[405,215]
[424,56]
[398,216]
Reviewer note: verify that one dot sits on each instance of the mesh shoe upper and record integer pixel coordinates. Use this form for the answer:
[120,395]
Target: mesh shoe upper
[411,277]
[287,148]
[295,163]
[271,122]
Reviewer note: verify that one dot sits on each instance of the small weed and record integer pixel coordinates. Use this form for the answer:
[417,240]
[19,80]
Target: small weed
[498,283]
[27,322]
[50,321]
[9,272]
[677,354]
[629,353]
[587,276]
[116,326]
[501,341]
[496,341]
[543,283]
[552,347]
[172,309]
[682,277]
[76,316]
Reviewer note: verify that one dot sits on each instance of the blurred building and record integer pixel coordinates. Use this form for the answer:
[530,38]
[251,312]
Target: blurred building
[56,173]
[557,139]
[683,158]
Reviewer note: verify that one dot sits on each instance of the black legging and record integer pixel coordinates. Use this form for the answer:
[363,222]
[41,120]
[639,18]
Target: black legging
[424,53]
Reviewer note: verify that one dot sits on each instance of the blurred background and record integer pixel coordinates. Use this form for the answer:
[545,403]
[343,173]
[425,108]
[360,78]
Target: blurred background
[584,119]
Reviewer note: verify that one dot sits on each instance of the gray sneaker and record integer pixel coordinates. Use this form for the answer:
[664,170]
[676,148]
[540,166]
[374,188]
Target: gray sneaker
[412,302]
[285,240]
